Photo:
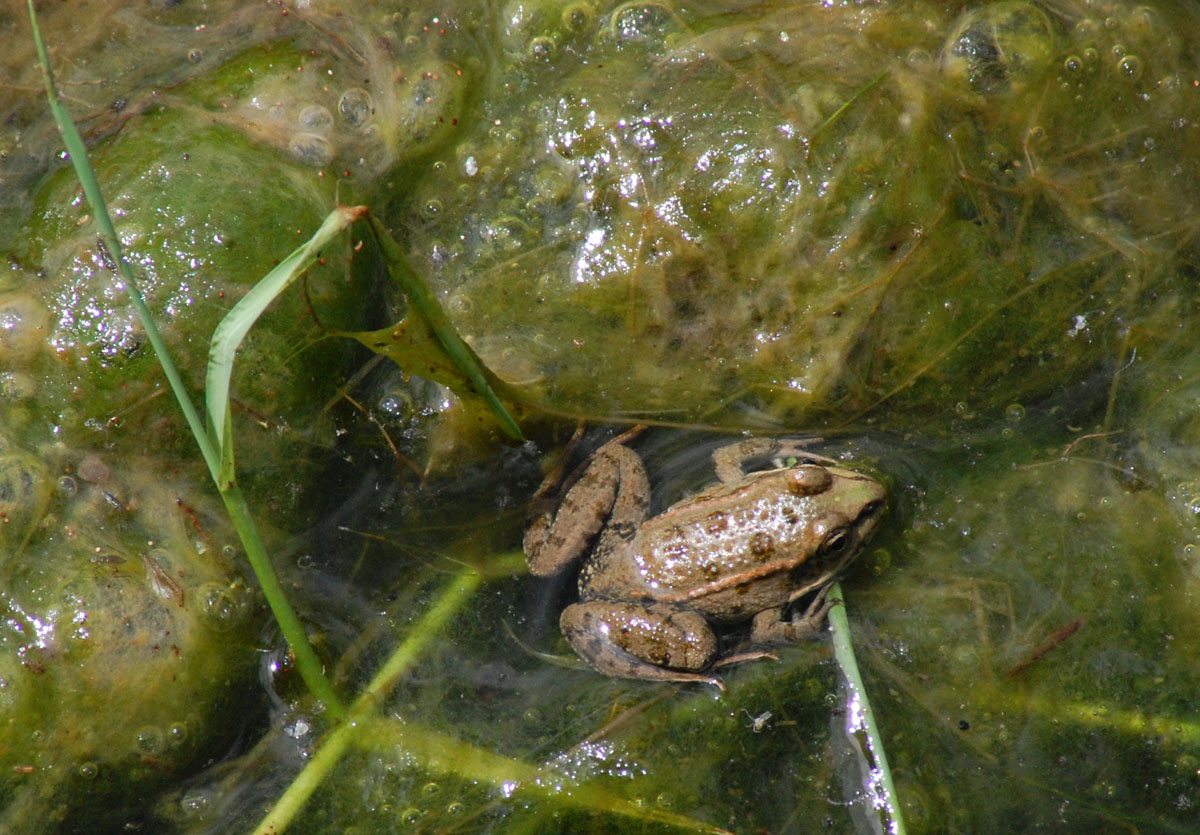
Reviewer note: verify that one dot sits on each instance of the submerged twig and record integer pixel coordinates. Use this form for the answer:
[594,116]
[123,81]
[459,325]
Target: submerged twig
[1053,640]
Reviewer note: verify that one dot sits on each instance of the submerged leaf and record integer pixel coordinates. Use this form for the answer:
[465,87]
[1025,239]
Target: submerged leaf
[446,358]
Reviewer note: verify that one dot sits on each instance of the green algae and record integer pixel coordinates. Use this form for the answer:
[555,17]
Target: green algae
[803,214]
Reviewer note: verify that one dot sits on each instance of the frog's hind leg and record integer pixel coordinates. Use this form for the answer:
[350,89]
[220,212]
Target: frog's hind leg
[654,641]
[730,461]
[614,491]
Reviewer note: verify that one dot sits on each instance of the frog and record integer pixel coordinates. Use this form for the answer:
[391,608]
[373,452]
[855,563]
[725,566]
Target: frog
[654,590]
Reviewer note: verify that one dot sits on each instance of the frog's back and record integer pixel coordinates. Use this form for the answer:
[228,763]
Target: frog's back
[729,552]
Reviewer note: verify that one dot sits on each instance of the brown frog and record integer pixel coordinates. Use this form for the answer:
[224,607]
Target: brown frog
[741,550]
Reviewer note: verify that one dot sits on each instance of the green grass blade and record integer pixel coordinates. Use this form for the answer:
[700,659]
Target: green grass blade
[308,663]
[91,189]
[843,650]
[228,336]
[424,302]
[337,742]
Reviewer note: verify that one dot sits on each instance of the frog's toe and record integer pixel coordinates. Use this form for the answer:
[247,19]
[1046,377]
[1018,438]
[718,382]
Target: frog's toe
[745,658]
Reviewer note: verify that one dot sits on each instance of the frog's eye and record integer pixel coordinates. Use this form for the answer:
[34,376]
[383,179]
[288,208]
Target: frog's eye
[836,543]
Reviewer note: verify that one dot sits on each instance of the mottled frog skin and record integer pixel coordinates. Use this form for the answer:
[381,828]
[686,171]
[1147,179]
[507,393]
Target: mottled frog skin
[742,550]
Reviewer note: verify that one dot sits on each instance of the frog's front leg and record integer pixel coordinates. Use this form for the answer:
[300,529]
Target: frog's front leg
[613,493]
[652,641]
[730,461]
[770,627]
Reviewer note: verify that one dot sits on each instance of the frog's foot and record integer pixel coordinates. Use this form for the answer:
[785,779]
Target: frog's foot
[655,642]
[730,461]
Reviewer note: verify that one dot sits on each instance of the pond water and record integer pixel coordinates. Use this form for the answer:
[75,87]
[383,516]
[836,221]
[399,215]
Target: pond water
[950,244]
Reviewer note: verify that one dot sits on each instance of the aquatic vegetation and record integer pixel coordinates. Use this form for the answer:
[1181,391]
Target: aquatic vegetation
[806,215]
[960,232]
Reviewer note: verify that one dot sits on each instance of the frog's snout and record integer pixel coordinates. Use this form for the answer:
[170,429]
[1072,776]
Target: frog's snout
[872,512]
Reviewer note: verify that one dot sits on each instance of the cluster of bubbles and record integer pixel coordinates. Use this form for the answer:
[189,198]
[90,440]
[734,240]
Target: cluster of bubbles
[537,32]
[1003,46]
[406,97]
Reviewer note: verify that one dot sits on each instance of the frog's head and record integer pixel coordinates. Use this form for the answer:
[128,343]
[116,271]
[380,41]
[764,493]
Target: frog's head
[849,508]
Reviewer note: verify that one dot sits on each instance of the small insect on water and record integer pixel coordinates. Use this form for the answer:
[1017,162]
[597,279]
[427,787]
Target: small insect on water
[757,723]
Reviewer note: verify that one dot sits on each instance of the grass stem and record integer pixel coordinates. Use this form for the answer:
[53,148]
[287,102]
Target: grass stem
[862,717]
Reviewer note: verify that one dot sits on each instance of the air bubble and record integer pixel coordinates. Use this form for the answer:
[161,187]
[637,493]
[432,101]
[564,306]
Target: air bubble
[1014,412]
[195,804]
[397,405]
[634,22]
[150,740]
[355,106]
[316,118]
[411,816]
[221,606]
[311,149]
[88,770]
[919,59]
[67,486]
[1143,20]
[431,208]
[577,17]
[542,49]
[1130,68]
[1073,63]
[177,734]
